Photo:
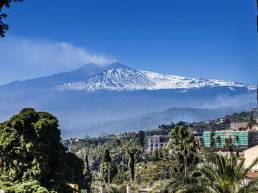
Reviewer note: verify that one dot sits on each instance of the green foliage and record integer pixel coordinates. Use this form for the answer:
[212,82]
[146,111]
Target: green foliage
[141,138]
[25,187]
[229,144]
[179,184]
[152,171]
[174,169]
[184,148]
[106,157]
[227,175]
[108,170]
[31,150]
[87,174]
[131,149]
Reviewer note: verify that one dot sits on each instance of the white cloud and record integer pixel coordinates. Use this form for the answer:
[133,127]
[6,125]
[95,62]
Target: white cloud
[240,102]
[22,58]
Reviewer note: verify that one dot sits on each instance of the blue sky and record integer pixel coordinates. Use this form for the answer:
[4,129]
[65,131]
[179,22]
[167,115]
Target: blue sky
[200,38]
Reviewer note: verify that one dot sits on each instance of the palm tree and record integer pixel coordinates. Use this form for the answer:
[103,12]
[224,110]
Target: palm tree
[183,146]
[229,144]
[131,149]
[227,175]
[184,151]
[193,183]
[105,172]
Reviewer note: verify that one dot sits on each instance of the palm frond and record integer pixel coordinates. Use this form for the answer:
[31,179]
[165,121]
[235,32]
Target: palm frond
[250,187]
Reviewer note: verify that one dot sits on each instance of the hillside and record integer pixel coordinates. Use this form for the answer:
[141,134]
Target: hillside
[152,120]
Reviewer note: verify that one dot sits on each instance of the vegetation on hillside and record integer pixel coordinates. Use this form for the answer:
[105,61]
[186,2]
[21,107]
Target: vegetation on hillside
[172,169]
[33,160]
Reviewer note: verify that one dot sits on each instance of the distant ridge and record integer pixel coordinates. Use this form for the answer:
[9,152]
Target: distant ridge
[120,95]
[153,120]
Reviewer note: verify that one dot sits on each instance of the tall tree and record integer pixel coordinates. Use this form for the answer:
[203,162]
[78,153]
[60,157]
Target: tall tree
[106,166]
[183,146]
[31,149]
[106,156]
[131,150]
[87,173]
[141,138]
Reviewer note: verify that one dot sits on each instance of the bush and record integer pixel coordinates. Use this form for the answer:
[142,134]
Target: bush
[26,187]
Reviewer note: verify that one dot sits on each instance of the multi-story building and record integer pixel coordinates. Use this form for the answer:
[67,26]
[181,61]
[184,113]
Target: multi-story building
[239,125]
[240,139]
[157,142]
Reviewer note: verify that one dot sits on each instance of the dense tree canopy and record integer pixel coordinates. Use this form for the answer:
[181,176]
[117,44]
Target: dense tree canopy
[31,150]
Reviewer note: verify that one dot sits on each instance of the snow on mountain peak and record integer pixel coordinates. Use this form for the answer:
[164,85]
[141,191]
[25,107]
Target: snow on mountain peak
[164,81]
[118,77]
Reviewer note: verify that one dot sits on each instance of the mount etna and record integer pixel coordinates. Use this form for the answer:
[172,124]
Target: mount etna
[94,99]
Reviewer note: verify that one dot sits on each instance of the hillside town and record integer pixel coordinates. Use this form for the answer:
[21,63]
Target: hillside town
[239,137]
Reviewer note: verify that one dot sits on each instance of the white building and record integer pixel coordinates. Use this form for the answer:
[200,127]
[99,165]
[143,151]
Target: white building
[157,142]
[250,155]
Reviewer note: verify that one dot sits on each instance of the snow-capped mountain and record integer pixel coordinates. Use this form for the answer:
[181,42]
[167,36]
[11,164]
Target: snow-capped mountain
[164,81]
[96,95]
[119,77]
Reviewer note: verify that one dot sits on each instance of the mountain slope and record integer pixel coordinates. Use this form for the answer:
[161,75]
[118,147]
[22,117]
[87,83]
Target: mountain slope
[100,94]
[83,73]
[121,77]
[164,81]
[118,77]
[153,120]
